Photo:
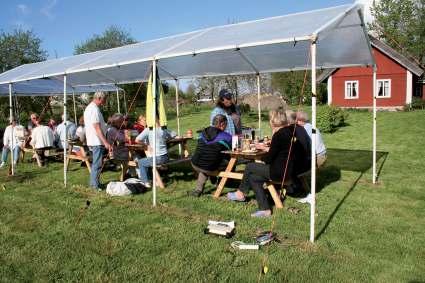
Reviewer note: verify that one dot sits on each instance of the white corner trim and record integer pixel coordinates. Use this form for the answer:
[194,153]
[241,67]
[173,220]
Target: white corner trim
[409,81]
[330,90]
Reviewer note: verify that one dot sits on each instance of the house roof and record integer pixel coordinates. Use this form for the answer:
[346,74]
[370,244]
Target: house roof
[390,52]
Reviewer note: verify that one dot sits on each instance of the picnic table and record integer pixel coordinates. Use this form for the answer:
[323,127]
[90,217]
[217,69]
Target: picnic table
[255,155]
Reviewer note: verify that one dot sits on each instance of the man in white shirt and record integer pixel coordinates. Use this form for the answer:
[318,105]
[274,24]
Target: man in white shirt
[11,142]
[302,120]
[95,128]
[42,139]
[60,132]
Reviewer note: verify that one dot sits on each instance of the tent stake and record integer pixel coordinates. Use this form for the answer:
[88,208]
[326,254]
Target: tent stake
[313,140]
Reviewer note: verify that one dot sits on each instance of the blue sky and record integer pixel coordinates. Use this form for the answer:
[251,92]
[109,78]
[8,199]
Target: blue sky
[62,24]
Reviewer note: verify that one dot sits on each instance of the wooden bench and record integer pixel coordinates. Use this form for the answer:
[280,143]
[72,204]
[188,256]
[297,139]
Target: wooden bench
[83,156]
[270,185]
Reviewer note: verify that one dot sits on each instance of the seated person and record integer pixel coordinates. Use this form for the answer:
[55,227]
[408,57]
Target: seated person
[302,120]
[140,124]
[208,159]
[12,139]
[80,133]
[116,137]
[42,139]
[60,132]
[146,137]
[276,166]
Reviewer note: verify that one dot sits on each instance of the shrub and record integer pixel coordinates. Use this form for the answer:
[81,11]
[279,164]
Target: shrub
[329,118]
[244,108]
[417,103]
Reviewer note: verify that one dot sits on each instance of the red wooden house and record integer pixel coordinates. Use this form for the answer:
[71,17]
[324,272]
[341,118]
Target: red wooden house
[398,80]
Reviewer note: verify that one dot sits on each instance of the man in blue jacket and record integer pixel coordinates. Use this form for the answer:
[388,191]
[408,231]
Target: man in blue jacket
[208,158]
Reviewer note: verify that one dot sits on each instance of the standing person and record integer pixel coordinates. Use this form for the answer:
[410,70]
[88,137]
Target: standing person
[11,141]
[276,163]
[208,158]
[147,137]
[95,136]
[42,139]
[60,132]
[225,106]
[302,120]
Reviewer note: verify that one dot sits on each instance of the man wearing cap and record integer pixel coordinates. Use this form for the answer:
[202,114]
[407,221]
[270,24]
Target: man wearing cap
[95,128]
[226,107]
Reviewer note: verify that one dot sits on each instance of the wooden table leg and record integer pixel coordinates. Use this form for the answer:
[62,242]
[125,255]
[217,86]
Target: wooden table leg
[223,180]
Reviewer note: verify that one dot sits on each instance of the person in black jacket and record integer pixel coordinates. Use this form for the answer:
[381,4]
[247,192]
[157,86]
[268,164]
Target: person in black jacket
[208,158]
[278,164]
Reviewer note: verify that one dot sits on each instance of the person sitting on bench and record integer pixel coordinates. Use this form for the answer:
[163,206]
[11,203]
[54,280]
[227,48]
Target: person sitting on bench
[208,159]
[146,137]
[42,139]
[256,174]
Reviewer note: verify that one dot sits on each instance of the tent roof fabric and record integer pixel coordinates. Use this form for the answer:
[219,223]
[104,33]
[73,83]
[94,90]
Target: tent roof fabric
[48,87]
[262,46]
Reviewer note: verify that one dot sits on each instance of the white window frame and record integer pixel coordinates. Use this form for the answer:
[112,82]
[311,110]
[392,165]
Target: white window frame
[389,88]
[349,95]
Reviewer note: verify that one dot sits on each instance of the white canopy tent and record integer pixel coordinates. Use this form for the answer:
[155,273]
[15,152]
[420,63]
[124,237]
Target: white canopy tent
[332,37]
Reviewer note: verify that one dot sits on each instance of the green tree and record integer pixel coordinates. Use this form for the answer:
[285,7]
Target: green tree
[112,37]
[401,24]
[17,48]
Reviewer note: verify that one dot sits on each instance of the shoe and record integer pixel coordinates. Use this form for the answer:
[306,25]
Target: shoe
[195,193]
[213,180]
[262,213]
[2,165]
[234,197]
[147,184]
[307,199]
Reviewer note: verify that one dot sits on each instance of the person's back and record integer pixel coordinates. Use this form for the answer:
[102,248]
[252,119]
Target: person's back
[42,137]
[60,131]
[162,136]
[92,115]
[212,141]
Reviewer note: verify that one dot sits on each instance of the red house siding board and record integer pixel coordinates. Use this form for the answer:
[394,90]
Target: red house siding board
[387,69]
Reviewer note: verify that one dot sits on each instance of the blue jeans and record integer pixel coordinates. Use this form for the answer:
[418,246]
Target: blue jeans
[6,151]
[146,163]
[98,152]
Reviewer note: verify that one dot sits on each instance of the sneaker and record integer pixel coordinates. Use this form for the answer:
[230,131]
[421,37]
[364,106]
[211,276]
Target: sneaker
[307,199]
[147,184]
[195,193]
[234,197]
[262,213]
[2,165]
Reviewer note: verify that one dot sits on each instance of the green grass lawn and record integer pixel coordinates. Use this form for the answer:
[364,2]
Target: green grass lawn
[364,232]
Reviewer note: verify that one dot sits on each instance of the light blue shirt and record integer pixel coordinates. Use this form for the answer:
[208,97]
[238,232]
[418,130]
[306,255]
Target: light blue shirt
[230,125]
[161,139]
[320,145]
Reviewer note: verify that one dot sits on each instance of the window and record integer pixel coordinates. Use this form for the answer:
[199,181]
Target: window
[383,88]
[351,89]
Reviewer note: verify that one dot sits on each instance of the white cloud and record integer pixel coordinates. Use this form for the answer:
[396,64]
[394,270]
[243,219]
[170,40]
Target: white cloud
[24,9]
[21,25]
[47,9]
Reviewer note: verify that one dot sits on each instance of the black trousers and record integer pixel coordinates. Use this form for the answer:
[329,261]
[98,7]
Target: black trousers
[255,175]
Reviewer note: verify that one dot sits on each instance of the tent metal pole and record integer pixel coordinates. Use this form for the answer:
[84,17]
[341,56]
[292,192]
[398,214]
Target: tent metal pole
[125,102]
[313,140]
[65,145]
[374,177]
[154,131]
[11,119]
[178,113]
[259,102]
[118,101]
[75,108]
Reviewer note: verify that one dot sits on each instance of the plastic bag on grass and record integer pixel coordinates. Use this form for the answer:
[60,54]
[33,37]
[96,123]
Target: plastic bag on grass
[128,187]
